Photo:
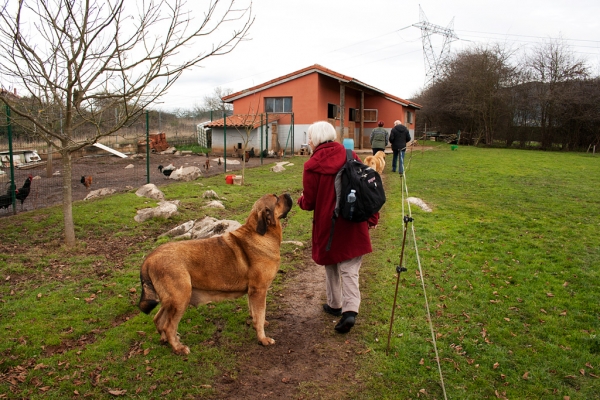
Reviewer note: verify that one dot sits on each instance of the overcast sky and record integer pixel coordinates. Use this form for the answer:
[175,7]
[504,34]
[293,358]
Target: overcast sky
[374,41]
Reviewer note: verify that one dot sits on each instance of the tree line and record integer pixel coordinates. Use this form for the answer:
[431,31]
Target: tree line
[546,98]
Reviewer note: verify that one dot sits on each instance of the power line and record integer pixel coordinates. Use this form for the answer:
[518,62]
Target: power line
[535,37]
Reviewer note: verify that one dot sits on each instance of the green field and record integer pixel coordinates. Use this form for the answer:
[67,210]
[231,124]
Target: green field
[508,257]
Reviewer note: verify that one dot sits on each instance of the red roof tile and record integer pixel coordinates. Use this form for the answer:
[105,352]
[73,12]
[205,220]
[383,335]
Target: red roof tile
[242,121]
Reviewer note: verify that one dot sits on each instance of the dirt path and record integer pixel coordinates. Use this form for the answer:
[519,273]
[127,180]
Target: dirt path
[309,359]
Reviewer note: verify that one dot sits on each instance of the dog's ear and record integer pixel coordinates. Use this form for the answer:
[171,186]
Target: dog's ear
[264,219]
[261,226]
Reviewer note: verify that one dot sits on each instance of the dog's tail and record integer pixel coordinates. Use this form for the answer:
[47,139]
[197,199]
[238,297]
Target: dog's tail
[149,298]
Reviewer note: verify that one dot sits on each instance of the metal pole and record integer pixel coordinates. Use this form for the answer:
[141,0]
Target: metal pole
[293,138]
[13,187]
[261,139]
[225,142]
[147,148]
[267,132]
[399,269]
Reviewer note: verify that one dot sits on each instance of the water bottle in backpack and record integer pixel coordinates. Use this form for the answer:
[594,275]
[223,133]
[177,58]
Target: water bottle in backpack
[351,200]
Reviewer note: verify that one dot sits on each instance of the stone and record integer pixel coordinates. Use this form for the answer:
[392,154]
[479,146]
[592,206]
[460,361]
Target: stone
[151,191]
[165,209]
[203,228]
[94,194]
[186,174]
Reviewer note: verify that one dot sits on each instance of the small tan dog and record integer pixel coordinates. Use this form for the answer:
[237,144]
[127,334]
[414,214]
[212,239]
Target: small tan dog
[377,162]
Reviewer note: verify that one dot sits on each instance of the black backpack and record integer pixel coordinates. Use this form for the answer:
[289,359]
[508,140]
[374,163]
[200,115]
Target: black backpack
[368,189]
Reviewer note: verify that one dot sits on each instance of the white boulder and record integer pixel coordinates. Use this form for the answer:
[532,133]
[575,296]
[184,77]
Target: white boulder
[151,191]
[165,209]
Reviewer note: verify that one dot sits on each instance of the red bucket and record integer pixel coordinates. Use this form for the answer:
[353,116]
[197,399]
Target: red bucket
[229,179]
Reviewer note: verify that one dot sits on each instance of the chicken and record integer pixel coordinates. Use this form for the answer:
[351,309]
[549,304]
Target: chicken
[207,164]
[219,162]
[23,192]
[86,181]
[5,200]
[168,170]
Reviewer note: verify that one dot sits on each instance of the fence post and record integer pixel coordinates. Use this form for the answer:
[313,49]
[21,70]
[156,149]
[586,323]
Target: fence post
[13,187]
[224,142]
[147,148]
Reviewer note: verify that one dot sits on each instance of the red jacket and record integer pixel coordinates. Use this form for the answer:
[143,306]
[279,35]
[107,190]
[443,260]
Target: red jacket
[351,239]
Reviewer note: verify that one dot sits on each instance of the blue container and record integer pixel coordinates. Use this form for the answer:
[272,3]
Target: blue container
[349,144]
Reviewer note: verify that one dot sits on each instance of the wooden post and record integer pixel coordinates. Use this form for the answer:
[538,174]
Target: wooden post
[49,161]
[362,120]
[342,108]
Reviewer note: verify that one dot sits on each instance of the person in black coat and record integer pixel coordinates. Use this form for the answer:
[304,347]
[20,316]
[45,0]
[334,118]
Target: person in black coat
[399,137]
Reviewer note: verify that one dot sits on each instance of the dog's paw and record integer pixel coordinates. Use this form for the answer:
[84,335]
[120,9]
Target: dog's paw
[182,350]
[267,341]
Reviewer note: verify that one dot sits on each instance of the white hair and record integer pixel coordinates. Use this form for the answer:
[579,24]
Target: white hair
[321,132]
[397,122]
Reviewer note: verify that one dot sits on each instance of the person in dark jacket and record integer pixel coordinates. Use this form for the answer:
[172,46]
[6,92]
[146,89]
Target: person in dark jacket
[379,138]
[399,137]
[350,239]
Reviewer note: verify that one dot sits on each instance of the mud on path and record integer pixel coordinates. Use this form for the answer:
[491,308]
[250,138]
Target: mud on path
[309,359]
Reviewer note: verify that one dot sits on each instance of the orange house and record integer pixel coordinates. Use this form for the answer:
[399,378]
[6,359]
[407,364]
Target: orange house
[314,94]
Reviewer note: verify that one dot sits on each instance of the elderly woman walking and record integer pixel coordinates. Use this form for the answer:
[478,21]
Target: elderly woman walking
[350,240]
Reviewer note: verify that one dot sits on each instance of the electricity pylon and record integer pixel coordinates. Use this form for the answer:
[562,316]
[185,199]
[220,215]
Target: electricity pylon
[433,61]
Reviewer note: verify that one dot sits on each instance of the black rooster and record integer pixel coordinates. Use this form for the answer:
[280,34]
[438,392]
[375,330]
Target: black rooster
[5,200]
[22,193]
[168,170]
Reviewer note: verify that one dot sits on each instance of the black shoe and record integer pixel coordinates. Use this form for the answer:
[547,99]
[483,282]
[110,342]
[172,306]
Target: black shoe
[347,322]
[333,311]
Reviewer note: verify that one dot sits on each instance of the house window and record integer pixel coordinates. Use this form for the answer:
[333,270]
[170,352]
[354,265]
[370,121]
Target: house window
[370,115]
[353,115]
[333,111]
[409,117]
[278,104]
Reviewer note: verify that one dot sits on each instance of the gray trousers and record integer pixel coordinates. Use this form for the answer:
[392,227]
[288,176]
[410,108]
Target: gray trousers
[342,284]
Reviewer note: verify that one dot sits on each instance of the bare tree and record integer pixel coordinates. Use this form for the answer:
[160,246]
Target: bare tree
[214,101]
[79,61]
[249,123]
[548,68]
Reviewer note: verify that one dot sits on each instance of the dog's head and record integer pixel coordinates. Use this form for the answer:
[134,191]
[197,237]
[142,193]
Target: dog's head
[370,161]
[270,209]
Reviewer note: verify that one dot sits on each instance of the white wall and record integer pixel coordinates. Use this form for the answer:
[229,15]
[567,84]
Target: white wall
[283,131]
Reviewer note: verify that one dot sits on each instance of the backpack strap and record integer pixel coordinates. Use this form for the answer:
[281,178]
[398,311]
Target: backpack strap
[349,155]
[338,195]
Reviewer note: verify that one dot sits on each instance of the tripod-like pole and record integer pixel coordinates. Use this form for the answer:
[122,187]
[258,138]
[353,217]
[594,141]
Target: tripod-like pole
[399,269]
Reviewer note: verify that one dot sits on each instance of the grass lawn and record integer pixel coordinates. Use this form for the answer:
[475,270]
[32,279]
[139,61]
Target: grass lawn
[509,259]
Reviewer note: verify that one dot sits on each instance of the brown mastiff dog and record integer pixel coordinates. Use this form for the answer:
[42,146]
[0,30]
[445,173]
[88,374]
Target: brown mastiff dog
[195,272]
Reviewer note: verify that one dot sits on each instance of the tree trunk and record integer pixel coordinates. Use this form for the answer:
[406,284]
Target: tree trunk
[67,198]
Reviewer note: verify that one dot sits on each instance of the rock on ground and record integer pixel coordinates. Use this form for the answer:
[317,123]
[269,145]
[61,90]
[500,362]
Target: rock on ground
[151,191]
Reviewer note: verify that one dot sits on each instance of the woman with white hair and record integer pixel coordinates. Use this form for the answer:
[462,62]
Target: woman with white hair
[350,239]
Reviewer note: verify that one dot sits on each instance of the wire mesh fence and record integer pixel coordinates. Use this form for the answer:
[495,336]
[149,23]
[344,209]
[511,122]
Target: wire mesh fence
[92,169]
[107,171]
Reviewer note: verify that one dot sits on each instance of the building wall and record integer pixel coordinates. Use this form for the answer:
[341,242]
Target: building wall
[302,90]
[284,137]
[311,95]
